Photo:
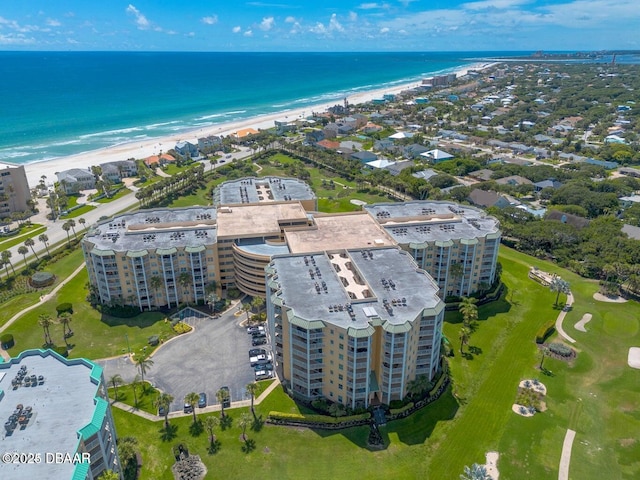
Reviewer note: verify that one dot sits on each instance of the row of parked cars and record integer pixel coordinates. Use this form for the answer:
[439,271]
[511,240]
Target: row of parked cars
[259,358]
[202,401]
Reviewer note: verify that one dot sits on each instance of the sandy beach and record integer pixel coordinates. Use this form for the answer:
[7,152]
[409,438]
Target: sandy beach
[145,148]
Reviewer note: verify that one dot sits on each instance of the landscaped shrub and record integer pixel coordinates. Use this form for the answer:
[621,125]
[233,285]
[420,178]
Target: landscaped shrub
[64,307]
[398,411]
[6,341]
[544,331]
[121,311]
[181,327]
[560,349]
[316,419]
[233,293]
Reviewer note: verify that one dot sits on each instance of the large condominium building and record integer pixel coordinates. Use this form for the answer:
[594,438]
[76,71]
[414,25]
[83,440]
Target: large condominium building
[161,257]
[354,326]
[456,244]
[56,417]
[14,190]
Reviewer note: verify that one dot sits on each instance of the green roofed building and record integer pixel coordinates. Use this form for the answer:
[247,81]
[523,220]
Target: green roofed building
[57,419]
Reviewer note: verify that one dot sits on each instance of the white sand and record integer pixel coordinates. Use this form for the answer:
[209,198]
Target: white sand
[540,387]
[492,465]
[634,357]
[603,298]
[148,147]
[586,318]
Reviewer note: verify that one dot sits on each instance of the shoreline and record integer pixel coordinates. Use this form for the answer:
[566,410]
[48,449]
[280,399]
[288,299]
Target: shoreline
[153,146]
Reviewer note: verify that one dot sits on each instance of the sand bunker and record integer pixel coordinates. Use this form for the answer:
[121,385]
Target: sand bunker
[634,357]
[492,465]
[603,298]
[534,385]
[586,318]
[522,410]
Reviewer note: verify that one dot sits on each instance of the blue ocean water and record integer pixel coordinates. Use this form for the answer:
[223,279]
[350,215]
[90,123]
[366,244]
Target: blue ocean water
[61,103]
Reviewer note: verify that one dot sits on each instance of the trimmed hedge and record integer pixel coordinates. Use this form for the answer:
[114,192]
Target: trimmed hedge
[560,349]
[544,331]
[6,341]
[181,327]
[316,419]
[398,411]
[64,307]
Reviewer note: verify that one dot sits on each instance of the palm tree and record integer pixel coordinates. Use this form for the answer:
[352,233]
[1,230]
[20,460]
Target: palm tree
[544,351]
[469,310]
[184,279]
[456,270]
[155,282]
[30,243]
[475,472]
[222,396]
[212,298]
[66,227]
[246,308]
[45,322]
[164,401]
[109,475]
[116,381]
[44,239]
[65,319]
[192,398]
[465,334]
[418,385]
[245,420]
[22,250]
[6,258]
[252,389]
[72,224]
[143,364]
[82,222]
[134,388]
[257,303]
[560,286]
[210,423]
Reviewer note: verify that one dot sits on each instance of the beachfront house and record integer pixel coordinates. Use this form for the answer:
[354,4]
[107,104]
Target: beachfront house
[364,156]
[210,143]
[436,156]
[116,171]
[186,149]
[76,179]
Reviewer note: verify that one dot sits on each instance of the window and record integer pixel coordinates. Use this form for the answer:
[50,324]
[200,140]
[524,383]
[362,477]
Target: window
[340,387]
[340,367]
[341,346]
[341,357]
[340,377]
[341,336]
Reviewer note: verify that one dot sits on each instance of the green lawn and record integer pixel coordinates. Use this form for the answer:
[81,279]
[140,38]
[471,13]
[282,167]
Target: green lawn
[119,194]
[597,396]
[96,335]
[78,212]
[145,393]
[26,231]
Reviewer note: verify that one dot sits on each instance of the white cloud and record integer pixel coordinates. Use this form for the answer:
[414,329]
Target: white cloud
[52,22]
[372,6]
[353,16]
[290,19]
[319,28]
[384,30]
[334,24]
[496,4]
[210,20]
[141,20]
[15,39]
[190,34]
[267,23]
[248,33]
[236,29]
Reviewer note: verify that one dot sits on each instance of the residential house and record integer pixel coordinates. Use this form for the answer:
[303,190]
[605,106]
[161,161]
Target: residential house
[401,135]
[436,156]
[398,167]
[76,179]
[414,150]
[209,143]
[364,156]
[116,171]
[379,164]
[550,183]
[245,132]
[629,200]
[484,198]
[331,130]
[484,174]
[631,172]
[315,136]
[351,145]
[186,149]
[384,144]
[514,180]
[425,174]
[328,145]
[568,218]
[371,128]
[158,160]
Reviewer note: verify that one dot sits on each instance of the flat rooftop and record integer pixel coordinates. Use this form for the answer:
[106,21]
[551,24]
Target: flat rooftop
[339,232]
[267,189]
[258,219]
[428,221]
[162,228]
[383,282]
[61,406]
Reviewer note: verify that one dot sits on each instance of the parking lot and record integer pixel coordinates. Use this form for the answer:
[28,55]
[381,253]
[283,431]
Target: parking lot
[215,354]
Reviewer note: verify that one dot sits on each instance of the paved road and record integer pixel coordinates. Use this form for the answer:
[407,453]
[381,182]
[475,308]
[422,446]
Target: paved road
[213,355]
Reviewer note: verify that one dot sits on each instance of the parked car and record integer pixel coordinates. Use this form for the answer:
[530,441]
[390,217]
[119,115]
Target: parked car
[258,358]
[257,351]
[258,341]
[227,401]
[263,374]
[162,411]
[263,366]
[188,408]
[202,401]
[258,334]
[255,329]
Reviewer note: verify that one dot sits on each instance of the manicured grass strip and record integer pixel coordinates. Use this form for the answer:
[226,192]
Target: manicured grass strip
[78,212]
[146,395]
[26,232]
[121,193]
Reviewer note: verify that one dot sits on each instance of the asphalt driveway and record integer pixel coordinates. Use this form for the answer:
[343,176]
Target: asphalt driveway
[213,355]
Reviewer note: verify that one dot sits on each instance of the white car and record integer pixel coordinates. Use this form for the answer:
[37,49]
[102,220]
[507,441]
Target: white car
[262,358]
[263,374]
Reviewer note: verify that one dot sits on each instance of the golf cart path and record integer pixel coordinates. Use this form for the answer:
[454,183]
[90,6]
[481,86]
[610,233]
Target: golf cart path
[560,319]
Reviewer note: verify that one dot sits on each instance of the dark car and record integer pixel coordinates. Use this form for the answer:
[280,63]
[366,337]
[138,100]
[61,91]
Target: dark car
[263,366]
[188,408]
[258,335]
[162,411]
[258,341]
[226,403]
[254,352]
[202,401]
[255,329]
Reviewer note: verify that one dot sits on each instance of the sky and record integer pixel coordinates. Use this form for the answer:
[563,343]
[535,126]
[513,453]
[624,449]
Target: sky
[319,25]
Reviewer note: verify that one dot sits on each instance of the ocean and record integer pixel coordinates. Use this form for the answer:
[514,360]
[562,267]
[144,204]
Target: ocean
[57,104]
